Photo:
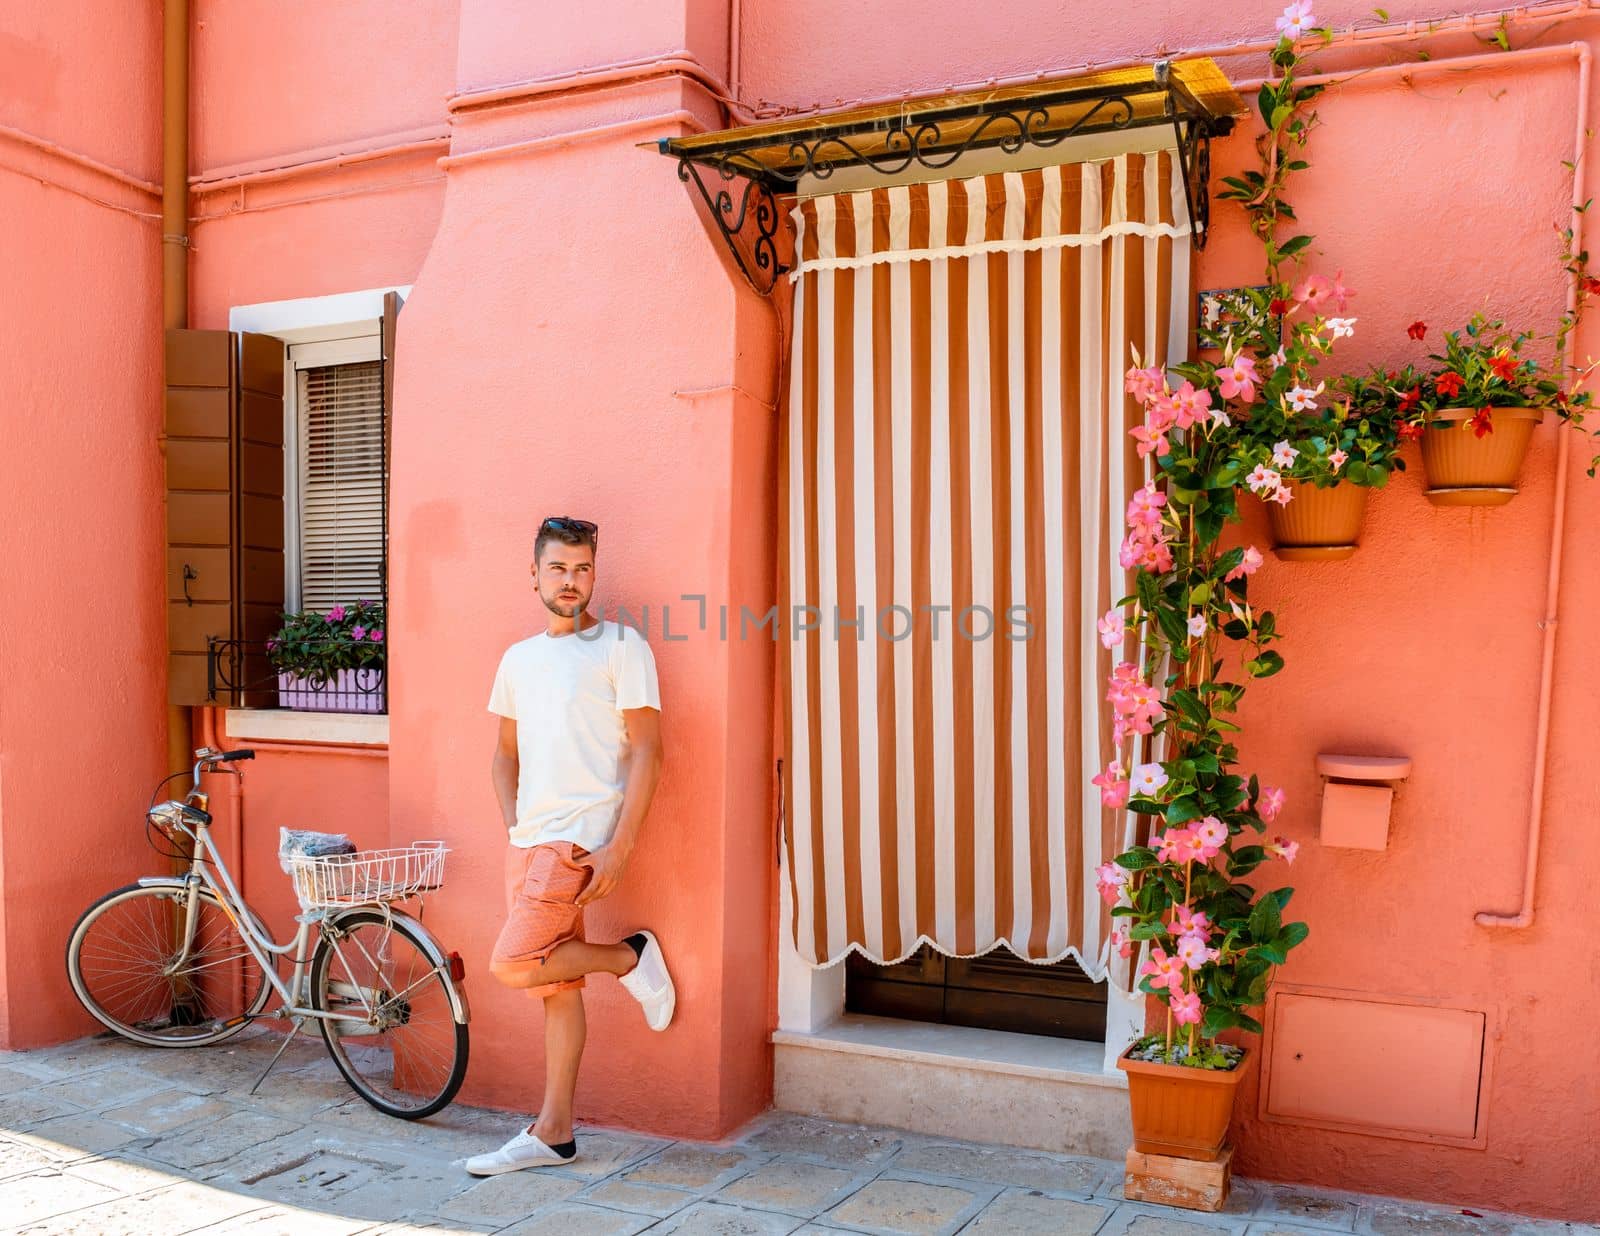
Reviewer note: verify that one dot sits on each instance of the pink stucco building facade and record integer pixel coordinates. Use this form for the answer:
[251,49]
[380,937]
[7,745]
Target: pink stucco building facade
[574,338]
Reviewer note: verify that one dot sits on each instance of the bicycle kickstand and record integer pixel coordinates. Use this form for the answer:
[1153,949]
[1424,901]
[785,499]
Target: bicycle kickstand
[299,1024]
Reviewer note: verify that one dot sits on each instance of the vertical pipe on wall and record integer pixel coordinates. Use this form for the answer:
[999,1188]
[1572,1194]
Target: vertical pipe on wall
[1558,524]
[175,246]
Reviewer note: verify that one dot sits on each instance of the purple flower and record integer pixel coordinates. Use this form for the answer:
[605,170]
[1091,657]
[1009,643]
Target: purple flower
[336,614]
[377,635]
[272,644]
[358,632]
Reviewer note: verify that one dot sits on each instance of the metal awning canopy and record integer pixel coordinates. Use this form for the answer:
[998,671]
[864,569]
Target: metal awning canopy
[1193,96]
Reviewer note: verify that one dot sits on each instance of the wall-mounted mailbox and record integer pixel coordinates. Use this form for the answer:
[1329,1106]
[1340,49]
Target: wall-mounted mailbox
[1357,793]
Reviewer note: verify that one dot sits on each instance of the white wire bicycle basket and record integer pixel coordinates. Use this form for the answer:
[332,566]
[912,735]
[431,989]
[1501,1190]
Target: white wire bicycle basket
[367,876]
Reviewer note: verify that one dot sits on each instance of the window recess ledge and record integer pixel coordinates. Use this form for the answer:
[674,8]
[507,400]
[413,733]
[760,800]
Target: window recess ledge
[352,729]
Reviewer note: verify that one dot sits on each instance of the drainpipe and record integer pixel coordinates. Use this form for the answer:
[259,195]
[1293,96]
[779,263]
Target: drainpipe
[1558,523]
[175,249]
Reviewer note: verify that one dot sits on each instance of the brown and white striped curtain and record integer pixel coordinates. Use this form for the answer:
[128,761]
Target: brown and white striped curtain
[956,447]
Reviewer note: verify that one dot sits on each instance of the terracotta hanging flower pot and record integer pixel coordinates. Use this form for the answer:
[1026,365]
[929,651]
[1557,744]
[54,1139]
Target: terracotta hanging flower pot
[1464,469]
[1318,525]
[1181,1111]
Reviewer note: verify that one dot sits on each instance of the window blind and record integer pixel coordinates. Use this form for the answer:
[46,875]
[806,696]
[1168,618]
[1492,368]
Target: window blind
[343,475]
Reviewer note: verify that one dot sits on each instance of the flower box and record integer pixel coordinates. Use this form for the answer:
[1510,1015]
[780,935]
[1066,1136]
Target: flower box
[362,690]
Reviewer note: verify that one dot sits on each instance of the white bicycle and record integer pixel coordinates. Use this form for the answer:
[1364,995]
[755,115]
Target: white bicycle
[182,961]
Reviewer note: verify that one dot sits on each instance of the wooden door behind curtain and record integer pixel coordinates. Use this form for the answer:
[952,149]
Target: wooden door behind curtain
[956,437]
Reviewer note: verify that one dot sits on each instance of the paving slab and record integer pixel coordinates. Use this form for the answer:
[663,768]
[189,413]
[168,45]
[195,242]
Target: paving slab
[1312,1208]
[1395,1218]
[1051,1173]
[166,1110]
[286,1221]
[219,1140]
[688,1166]
[99,1087]
[77,1136]
[21,1159]
[648,1199]
[576,1219]
[719,1219]
[180,1208]
[793,1187]
[910,1206]
[1024,1212]
[500,1200]
[825,1140]
[27,1199]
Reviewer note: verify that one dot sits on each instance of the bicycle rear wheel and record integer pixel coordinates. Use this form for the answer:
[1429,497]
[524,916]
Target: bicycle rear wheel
[122,960]
[399,1045]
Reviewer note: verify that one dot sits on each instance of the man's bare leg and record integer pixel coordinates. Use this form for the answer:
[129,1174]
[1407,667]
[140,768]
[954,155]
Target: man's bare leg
[565,1029]
[568,961]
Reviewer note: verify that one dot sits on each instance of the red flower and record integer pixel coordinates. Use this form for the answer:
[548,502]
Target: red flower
[1504,365]
[1410,400]
[1591,285]
[1278,307]
[1417,329]
[1481,425]
[1448,384]
[1409,432]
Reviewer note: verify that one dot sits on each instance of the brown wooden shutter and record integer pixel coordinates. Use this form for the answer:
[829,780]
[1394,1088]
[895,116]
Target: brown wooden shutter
[224,455]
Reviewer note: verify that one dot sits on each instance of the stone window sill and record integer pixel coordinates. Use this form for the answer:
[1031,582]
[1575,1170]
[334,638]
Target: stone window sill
[360,729]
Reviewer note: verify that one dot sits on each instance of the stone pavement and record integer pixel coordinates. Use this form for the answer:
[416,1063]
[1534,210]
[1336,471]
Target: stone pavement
[101,1137]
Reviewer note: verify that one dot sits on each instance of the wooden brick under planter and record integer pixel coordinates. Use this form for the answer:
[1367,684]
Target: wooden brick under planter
[1192,1184]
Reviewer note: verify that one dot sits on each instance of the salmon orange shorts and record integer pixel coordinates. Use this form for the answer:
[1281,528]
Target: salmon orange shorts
[542,886]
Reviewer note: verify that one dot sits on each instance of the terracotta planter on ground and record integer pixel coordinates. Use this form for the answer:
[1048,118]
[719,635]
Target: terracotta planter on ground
[1466,470]
[1180,1111]
[1318,525]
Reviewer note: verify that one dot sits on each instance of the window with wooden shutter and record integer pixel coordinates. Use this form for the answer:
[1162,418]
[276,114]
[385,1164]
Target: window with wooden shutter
[342,476]
[225,487]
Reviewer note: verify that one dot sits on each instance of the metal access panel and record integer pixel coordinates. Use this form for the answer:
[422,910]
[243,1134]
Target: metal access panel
[1396,1068]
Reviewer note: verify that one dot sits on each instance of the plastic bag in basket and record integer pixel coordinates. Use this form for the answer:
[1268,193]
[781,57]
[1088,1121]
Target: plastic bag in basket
[303,843]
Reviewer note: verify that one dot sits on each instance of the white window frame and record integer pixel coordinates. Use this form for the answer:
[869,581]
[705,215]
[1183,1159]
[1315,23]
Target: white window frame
[310,354]
[344,328]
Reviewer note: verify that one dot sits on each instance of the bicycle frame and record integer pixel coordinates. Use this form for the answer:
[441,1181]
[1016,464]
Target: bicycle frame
[294,994]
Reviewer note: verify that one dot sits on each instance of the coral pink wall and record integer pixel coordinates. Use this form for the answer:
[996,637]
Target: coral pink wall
[82,615]
[580,326]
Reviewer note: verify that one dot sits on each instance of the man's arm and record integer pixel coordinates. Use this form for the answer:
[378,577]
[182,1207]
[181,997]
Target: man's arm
[644,770]
[504,772]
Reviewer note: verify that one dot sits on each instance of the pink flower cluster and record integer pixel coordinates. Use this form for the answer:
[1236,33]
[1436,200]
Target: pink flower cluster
[1109,881]
[1113,785]
[1166,409]
[1199,844]
[1169,971]
[1136,704]
[1147,543]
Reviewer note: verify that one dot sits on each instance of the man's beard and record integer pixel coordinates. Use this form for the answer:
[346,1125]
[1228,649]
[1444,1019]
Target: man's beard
[564,609]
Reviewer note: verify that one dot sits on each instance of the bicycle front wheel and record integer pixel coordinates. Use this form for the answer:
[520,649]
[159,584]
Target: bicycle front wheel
[128,966]
[396,1039]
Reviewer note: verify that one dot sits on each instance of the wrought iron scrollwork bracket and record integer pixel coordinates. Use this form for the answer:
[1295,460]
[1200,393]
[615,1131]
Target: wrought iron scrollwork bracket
[748,218]
[741,190]
[1193,126]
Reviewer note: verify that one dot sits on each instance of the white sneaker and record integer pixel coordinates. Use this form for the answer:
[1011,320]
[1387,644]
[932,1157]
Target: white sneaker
[650,984]
[523,1150]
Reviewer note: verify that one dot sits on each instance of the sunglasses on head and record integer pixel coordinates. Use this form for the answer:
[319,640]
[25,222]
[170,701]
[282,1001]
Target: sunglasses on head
[565,523]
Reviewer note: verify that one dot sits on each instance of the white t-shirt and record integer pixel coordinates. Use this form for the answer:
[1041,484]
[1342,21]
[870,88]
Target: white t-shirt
[566,693]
